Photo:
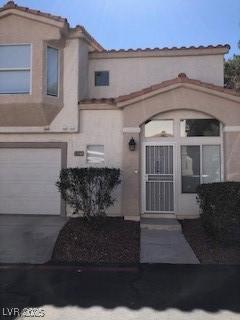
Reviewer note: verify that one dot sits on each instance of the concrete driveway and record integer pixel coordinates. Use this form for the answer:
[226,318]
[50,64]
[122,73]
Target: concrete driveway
[28,239]
[154,292]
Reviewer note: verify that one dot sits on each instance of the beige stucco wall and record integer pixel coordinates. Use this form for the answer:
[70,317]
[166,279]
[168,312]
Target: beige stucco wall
[232,155]
[131,195]
[67,118]
[97,127]
[183,97]
[132,74]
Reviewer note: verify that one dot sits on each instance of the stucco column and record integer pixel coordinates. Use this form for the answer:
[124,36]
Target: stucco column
[232,155]
[131,175]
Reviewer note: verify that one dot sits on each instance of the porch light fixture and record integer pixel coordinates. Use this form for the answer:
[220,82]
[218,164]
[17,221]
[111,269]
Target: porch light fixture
[132,144]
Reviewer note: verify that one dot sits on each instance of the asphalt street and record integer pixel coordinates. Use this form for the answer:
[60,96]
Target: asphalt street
[148,292]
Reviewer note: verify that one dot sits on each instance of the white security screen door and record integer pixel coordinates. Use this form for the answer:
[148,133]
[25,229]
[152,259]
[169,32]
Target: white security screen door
[159,179]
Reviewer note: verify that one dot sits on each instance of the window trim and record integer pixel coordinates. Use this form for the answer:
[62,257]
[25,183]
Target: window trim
[58,75]
[20,69]
[102,85]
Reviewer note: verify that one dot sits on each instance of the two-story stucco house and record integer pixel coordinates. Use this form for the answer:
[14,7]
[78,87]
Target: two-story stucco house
[160,115]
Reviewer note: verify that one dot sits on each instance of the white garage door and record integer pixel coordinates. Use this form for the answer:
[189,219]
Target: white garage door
[27,181]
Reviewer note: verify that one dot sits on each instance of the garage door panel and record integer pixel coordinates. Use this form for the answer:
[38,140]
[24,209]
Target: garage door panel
[40,205]
[28,174]
[33,155]
[26,166]
[28,181]
[25,189]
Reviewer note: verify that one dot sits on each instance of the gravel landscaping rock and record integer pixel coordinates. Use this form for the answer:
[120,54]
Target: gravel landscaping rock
[206,249]
[101,240]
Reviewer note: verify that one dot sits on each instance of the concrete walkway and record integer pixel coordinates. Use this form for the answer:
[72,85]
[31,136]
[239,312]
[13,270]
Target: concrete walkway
[162,241]
[28,239]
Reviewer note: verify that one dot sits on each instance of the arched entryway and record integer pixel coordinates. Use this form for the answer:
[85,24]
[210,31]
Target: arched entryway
[179,150]
[189,100]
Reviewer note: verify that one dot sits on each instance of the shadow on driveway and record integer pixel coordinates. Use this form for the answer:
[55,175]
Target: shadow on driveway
[159,287]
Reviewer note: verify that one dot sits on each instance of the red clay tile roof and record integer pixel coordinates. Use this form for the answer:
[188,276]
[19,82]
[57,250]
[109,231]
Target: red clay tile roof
[99,101]
[181,78]
[89,37]
[13,5]
[219,46]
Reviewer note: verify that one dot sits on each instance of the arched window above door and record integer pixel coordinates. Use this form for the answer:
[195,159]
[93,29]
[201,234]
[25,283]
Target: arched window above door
[200,128]
[159,128]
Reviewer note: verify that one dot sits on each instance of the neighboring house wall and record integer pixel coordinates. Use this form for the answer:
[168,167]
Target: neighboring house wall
[128,74]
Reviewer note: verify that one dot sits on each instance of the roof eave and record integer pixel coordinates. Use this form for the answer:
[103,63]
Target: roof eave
[182,81]
[81,33]
[62,24]
[162,52]
[122,102]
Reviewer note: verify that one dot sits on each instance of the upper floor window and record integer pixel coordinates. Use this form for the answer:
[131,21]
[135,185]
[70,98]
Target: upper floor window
[15,69]
[200,128]
[52,71]
[101,78]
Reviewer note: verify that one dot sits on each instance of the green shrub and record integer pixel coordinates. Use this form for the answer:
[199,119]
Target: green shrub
[88,189]
[220,208]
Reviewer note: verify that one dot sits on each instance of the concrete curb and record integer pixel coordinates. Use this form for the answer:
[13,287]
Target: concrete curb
[74,268]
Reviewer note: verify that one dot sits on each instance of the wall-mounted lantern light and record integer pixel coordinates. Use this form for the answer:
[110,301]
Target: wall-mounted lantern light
[132,144]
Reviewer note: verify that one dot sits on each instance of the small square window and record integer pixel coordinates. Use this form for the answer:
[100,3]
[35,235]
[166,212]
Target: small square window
[95,153]
[101,78]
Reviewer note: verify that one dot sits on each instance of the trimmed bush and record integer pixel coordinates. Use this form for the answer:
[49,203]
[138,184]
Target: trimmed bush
[220,208]
[88,190]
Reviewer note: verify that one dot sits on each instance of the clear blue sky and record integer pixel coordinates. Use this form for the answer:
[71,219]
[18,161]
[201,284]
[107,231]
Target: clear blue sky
[150,23]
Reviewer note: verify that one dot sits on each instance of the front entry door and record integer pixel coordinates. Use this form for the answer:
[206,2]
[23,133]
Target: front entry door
[159,178]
